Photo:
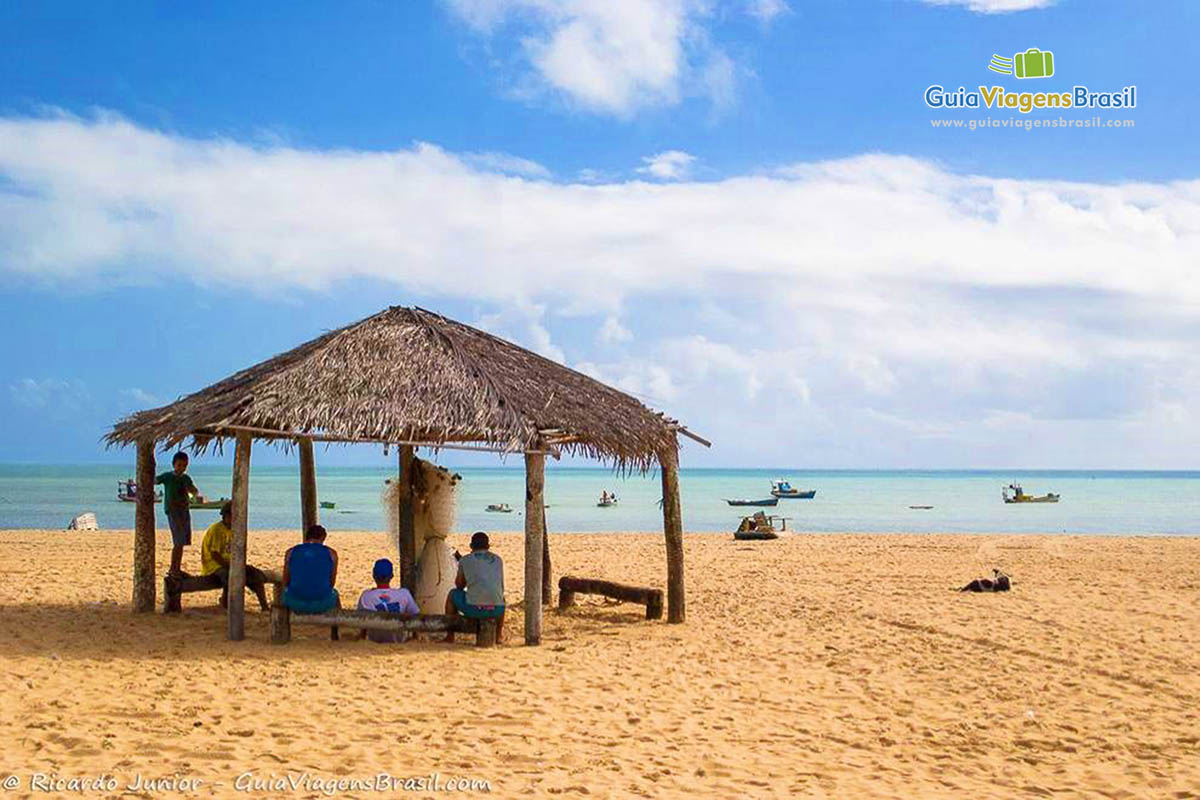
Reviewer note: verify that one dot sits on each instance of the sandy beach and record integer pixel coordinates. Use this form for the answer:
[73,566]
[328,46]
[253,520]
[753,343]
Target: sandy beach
[815,665]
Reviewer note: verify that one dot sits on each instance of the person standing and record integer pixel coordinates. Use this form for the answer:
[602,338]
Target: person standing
[177,489]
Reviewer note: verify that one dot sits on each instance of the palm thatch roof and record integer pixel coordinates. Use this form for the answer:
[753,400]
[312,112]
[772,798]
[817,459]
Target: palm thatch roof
[407,375]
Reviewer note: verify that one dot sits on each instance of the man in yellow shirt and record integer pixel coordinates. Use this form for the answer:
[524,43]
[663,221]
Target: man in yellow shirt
[214,558]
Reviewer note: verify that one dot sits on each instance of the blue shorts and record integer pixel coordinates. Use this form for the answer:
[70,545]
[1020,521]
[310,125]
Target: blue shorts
[459,596]
[180,522]
[303,605]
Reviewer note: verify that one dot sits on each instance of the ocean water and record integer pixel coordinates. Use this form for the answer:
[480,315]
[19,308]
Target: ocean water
[854,501]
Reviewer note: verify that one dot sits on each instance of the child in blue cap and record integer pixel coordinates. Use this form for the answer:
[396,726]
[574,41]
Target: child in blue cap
[384,598]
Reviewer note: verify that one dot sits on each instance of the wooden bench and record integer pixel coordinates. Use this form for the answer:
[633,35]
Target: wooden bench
[652,599]
[283,618]
[175,586]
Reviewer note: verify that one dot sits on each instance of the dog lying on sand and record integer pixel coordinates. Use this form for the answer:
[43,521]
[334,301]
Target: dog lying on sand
[999,583]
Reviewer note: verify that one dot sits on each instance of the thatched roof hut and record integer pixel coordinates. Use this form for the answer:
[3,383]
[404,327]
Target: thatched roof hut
[410,377]
[407,375]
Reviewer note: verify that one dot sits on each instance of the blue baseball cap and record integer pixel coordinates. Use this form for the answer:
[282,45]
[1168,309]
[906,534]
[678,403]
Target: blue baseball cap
[383,570]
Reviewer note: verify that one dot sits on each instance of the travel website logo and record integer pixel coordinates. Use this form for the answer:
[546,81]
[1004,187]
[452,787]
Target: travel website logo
[1028,64]
[1033,63]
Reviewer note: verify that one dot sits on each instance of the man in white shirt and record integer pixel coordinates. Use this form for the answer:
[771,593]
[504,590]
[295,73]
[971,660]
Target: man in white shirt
[384,598]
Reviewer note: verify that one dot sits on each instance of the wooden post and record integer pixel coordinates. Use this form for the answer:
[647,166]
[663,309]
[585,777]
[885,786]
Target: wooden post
[408,544]
[547,595]
[309,515]
[673,529]
[535,477]
[485,633]
[143,530]
[281,623]
[237,548]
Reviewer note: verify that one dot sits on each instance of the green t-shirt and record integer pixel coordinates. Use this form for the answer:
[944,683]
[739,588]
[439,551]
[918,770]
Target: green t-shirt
[175,490]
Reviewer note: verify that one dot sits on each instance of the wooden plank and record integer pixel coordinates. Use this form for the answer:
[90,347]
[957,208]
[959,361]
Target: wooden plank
[651,598]
[535,478]
[237,548]
[309,513]
[673,532]
[408,546]
[282,619]
[143,531]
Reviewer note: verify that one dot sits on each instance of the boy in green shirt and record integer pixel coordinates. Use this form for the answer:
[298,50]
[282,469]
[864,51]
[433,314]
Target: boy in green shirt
[177,487]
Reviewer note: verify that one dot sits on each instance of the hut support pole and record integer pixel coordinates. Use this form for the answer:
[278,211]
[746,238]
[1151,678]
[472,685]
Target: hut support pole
[408,543]
[535,478]
[143,530]
[673,529]
[547,597]
[308,486]
[237,548]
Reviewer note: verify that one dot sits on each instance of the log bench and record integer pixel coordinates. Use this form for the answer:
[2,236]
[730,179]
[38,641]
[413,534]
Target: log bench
[283,618]
[175,586]
[569,586]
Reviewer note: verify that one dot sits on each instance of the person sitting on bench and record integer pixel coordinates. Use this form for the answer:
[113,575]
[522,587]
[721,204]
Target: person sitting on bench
[309,574]
[384,598]
[479,586]
[215,559]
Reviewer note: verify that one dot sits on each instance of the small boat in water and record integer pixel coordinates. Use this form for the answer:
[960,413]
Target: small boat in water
[770,501]
[921,508]
[202,504]
[755,528]
[607,499]
[782,488]
[328,504]
[127,492]
[1018,495]
[500,508]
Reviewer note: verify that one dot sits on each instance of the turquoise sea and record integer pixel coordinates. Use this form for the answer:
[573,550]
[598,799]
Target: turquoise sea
[857,501]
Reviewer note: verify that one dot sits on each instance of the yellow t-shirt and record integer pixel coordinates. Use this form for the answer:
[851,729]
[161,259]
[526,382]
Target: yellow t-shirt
[216,542]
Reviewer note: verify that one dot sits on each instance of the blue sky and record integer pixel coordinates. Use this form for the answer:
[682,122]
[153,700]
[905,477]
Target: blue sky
[738,211]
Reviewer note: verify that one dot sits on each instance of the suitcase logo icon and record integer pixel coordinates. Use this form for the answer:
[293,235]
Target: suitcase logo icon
[1033,63]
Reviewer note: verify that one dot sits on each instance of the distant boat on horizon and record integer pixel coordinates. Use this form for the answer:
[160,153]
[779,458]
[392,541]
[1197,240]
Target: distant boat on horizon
[782,488]
[1018,495]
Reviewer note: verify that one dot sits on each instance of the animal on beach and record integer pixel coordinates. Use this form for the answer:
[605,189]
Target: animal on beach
[999,582]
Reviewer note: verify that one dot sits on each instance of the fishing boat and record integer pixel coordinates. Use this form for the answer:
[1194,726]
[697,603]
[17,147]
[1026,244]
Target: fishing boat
[782,488]
[770,501]
[199,503]
[127,492]
[607,500]
[921,508]
[755,528]
[328,504]
[1018,495]
[500,508]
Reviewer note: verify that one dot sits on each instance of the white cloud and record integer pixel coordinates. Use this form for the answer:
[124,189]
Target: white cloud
[767,10]
[669,165]
[140,398]
[610,56]
[613,332]
[850,293]
[993,6]
[48,393]
[507,164]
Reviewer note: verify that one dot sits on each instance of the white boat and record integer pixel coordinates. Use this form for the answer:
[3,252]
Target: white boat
[500,508]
